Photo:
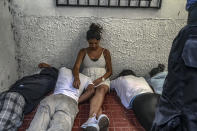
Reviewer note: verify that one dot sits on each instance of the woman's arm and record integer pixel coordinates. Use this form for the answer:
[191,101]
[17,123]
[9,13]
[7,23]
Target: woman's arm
[108,67]
[75,71]
[108,64]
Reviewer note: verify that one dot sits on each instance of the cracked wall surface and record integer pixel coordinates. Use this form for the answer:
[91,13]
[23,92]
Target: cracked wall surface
[8,62]
[138,39]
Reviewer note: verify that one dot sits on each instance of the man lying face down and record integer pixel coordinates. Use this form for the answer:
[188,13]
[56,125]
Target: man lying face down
[58,111]
[24,95]
[128,86]
[136,94]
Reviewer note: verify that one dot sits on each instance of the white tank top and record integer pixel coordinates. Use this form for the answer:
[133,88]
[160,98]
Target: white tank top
[89,63]
[95,69]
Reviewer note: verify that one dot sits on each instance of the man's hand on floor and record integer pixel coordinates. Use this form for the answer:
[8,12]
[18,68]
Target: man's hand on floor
[43,65]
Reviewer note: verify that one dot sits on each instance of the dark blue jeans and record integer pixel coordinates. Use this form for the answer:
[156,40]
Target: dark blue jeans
[192,16]
[144,107]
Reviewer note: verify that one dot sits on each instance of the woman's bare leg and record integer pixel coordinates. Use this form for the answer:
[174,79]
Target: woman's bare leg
[96,109]
[97,100]
[99,112]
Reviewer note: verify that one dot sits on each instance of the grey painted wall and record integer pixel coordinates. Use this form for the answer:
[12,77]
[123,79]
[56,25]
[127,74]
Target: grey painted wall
[8,63]
[138,39]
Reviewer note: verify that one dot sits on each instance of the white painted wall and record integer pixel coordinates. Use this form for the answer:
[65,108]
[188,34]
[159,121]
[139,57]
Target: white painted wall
[138,39]
[8,63]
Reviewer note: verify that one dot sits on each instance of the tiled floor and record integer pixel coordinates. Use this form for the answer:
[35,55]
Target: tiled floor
[121,119]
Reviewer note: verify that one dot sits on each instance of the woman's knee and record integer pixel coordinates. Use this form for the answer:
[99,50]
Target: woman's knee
[91,90]
[102,89]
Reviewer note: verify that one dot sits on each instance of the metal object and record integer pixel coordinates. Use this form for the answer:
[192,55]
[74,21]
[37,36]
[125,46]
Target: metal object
[111,3]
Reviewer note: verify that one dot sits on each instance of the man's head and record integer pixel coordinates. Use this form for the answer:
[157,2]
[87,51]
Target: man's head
[126,73]
[157,70]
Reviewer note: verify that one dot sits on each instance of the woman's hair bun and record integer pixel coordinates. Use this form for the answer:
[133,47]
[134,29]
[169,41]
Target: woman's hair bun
[96,27]
[95,31]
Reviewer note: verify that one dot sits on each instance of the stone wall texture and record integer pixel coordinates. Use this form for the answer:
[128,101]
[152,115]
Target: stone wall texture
[8,61]
[138,39]
[134,44]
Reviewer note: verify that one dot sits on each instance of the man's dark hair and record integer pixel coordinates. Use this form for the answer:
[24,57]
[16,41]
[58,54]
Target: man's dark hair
[157,70]
[126,73]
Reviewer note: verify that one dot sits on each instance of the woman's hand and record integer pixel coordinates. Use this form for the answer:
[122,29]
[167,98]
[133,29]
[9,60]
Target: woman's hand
[97,81]
[76,83]
[75,71]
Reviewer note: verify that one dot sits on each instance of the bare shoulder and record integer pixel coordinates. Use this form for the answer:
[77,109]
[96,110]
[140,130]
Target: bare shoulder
[82,51]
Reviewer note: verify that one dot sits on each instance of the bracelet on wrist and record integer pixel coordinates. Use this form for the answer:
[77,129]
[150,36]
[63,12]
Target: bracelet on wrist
[102,78]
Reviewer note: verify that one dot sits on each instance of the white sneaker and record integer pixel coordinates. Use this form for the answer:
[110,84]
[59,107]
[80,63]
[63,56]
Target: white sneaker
[90,124]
